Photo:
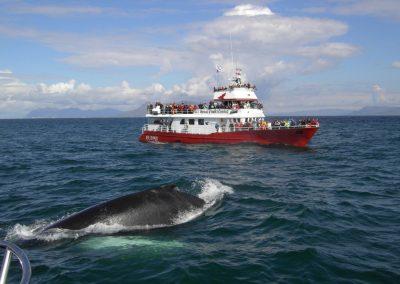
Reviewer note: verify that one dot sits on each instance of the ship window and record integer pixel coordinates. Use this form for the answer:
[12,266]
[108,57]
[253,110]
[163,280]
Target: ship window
[183,121]
[191,121]
[200,122]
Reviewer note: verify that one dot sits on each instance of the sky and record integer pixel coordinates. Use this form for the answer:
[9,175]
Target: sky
[302,55]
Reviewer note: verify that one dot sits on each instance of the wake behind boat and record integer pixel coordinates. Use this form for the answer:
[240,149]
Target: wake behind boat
[233,116]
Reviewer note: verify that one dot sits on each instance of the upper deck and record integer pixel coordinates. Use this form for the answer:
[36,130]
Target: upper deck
[218,110]
[237,100]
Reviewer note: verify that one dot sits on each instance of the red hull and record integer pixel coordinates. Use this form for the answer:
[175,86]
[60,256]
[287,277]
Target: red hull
[298,137]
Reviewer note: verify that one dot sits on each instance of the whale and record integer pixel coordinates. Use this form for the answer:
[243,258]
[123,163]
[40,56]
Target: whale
[155,207]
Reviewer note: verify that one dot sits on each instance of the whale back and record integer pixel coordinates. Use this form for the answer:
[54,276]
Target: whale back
[151,207]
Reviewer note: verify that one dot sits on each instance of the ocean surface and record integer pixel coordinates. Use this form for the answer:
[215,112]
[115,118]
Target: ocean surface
[328,213]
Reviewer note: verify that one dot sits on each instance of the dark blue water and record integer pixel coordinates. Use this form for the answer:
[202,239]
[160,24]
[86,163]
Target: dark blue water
[329,213]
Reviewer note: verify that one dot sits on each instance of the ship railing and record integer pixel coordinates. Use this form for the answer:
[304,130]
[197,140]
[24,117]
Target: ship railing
[197,130]
[272,127]
[222,129]
[239,129]
[299,126]
[197,111]
[10,250]
[214,110]
[159,128]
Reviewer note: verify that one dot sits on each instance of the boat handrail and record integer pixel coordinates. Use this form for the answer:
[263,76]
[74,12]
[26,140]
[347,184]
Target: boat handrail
[213,110]
[194,130]
[163,111]
[197,111]
[159,128]
[12,249]
[294,126]
[236,129]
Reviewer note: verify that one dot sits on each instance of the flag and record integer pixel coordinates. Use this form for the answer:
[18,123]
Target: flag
[221,97]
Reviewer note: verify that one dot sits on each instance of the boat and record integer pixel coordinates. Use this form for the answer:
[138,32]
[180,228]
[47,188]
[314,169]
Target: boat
[234,115]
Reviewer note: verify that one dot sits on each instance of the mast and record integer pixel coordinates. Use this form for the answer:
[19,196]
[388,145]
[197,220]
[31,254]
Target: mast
[230,41]
[236,72]
[217,75]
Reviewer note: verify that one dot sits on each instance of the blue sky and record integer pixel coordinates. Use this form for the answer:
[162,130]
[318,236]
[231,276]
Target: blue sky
[302,55]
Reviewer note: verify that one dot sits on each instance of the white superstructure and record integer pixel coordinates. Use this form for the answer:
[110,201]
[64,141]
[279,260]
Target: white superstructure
[233,107]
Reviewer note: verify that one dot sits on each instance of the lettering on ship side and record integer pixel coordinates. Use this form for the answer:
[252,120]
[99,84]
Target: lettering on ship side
[151,138]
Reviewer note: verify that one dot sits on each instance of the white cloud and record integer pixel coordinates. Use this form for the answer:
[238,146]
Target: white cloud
[318,96]
[269,48]
[332,49]
[387,9]
[10,85]
[396,64]
[18,7]
[377,89]
[134,57]
[380,8]
[18,98]
[6,75]
[55,10]
[5,72]
[89,51]
[60,88]
[315,10]
[278,67]
[249,11]
[272,31]
[378,95]
[257,42]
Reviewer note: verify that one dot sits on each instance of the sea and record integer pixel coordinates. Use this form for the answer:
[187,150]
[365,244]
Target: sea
[328,213]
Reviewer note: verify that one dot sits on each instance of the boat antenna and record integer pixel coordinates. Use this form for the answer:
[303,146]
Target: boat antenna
[230,41]
[217,75]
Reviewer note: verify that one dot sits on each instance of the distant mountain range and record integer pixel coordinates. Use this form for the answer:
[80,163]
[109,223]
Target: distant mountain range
[72,113]
[320,112]
[80,113]
[141,111]
[365,111]
[378,110]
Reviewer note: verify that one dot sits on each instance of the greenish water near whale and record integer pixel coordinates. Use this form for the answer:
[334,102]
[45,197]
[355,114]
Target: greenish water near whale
[328,213]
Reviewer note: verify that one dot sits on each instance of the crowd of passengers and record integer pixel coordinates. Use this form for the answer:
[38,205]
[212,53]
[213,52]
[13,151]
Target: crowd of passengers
[264,124]
[292,122]
[252,124]
[191,108]
[217,89]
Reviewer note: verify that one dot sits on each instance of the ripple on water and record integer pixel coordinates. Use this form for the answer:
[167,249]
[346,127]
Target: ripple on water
[327,213]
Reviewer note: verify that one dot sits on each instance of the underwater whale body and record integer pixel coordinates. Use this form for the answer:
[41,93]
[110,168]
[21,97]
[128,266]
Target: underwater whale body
[152,207]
